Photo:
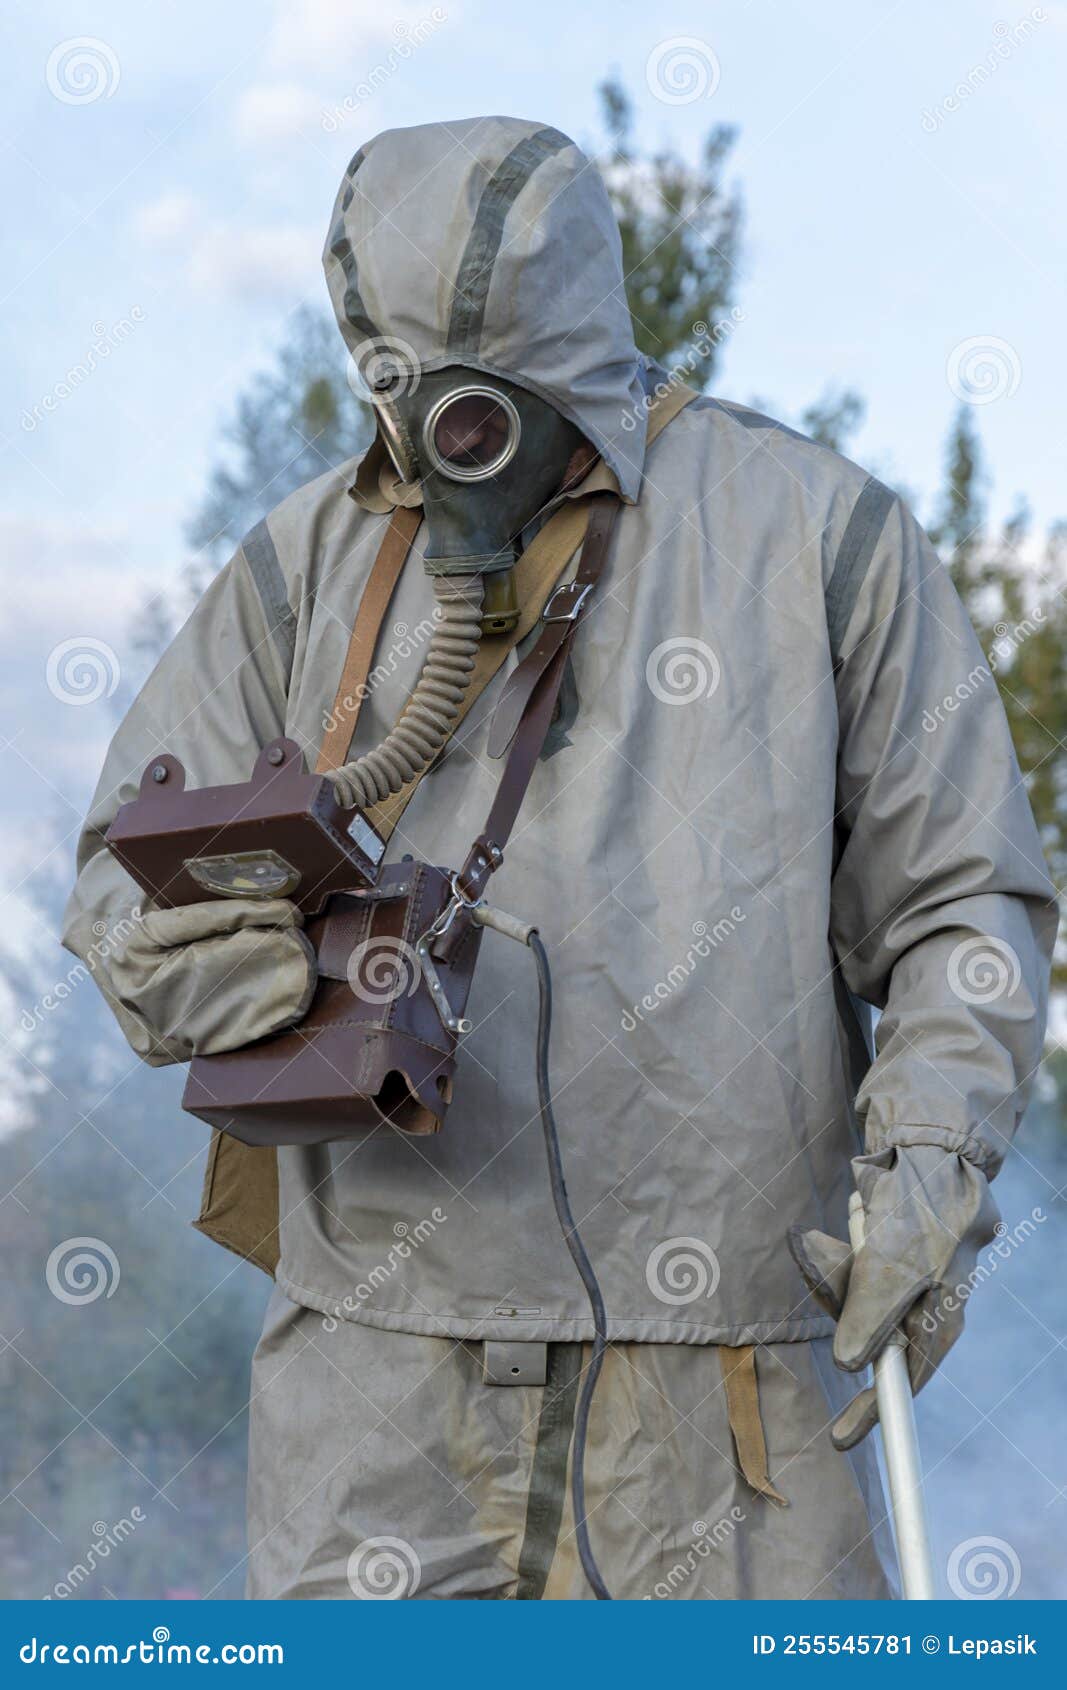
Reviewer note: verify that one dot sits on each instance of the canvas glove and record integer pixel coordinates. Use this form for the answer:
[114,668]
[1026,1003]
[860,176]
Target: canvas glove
[214,976]
[928,1214]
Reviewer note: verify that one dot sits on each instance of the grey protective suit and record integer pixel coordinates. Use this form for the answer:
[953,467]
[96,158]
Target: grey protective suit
[781,789]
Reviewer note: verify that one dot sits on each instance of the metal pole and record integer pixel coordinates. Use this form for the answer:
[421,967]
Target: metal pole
[896,1414]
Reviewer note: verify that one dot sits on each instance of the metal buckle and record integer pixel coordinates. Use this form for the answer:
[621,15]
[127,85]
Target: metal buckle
[458,901]
[550,615]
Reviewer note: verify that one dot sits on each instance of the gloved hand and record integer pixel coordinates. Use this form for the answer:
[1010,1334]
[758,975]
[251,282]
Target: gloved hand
[928,1214]
[214,976]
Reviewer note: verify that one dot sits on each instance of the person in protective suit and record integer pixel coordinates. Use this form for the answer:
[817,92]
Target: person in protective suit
[779,790]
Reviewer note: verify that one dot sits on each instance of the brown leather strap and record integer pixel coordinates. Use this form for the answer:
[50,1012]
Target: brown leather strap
[536,573]
[558,620]
[373,604]
[540,697]
[486,853]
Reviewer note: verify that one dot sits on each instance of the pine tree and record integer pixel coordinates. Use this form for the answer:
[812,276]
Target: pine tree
[1019,612]
[680,231]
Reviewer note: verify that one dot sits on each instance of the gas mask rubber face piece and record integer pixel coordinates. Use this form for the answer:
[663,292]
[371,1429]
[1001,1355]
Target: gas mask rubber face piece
[489,456]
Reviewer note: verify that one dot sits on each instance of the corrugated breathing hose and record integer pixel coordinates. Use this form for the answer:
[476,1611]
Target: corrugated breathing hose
[426,720]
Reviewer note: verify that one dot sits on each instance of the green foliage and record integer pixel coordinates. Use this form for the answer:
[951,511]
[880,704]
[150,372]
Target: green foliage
[958,529]
[680,237]
[1017,605]
[833,419]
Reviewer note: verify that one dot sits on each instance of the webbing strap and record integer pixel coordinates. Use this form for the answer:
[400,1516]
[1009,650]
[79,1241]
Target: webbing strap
[373,604]
[536,701]
[548,1475]
[536,573]
[486,854]
[742,1405]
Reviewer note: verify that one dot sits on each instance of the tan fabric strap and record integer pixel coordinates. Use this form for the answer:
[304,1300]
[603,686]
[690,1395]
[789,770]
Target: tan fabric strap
[373,605]
[536,573]
[742,1405]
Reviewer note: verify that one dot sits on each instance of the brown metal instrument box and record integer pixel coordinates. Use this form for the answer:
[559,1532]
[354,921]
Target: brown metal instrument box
[282,833]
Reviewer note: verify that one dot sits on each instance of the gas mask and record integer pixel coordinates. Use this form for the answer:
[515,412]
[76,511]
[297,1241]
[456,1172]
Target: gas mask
[489,456]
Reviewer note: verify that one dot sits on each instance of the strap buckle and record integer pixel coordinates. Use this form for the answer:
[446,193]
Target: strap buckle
[458,901]
[572,613]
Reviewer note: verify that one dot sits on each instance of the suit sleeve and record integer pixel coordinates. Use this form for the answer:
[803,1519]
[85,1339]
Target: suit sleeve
[942,912]
[215,698]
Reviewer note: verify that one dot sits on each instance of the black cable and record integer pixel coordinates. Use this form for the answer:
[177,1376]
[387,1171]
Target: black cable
[573,1240]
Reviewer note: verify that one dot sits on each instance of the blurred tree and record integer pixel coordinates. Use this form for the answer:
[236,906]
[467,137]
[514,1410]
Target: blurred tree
[1016,602]
[833,419]
[680,237]
[959,519]
[295,421]
[681,242]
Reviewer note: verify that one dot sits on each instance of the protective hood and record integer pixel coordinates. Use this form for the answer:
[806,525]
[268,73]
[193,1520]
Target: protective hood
[490,243]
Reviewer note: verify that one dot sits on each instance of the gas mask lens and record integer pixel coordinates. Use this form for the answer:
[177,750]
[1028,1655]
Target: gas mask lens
[471,435]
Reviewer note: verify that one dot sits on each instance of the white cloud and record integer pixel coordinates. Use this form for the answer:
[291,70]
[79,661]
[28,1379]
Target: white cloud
[312,34]
[169,220]
[258,264]
[332,58]
[65,570]
[272,112]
